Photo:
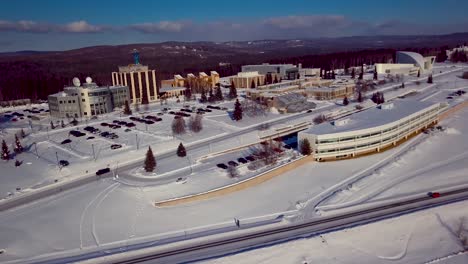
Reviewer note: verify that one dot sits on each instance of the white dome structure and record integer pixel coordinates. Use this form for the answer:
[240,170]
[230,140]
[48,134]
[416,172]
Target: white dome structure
[89,80]
[76,82]
[407,57]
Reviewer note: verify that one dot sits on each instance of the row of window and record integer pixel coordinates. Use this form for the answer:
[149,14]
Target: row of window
[375,143]
[402,125]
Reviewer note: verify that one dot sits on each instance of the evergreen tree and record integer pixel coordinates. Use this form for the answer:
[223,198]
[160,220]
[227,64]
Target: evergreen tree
[402,85]
[178,125]
[333,75]
[181,152]
[419,73]
[353,73]
[23,135]
[360,97]
[232,91]
[305,147]
[5,151]
[150,161]
[52,125]
[345,101]
[211,97]
[376,76]
[18,147]
[203,98]
[126,109]
[62,124]
[219,94]
[252,84]
[188,94]
[237,111]
[429,79]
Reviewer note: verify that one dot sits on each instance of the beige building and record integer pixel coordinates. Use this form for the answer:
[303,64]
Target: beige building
[140,80]
[247,79]
[191,80]
[331,90]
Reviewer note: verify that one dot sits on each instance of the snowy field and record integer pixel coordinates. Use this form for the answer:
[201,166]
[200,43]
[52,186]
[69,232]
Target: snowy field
[424,237]
[122,209]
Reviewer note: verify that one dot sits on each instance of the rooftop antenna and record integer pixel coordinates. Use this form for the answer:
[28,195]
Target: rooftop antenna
[136,56]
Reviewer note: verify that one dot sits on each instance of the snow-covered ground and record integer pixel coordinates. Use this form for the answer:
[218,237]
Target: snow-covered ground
[122,209]
[429,236]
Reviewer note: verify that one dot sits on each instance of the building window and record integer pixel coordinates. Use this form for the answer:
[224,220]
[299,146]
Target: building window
[69,101]
[82,94]
[82,100]
[85,113]
[60,102]
[73,101]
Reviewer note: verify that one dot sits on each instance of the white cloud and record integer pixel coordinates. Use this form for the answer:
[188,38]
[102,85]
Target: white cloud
[161,27]
[80,27]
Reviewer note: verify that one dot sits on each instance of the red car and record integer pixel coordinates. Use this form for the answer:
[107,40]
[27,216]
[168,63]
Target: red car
[433,194]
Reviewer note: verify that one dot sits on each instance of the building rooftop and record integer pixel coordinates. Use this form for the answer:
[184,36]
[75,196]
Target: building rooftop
[170,88]
[373,117]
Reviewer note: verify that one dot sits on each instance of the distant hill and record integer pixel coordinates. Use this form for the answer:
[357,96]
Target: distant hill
[35,74]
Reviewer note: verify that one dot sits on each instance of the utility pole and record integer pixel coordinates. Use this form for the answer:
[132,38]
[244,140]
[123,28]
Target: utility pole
[56,156]
[94,154]
[35,146]
[137,143]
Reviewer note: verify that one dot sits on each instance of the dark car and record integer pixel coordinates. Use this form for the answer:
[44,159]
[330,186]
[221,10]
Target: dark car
[133,118]
[149,122]
[130,124]
[250,158]
[242,160]
[102,171]
[64,163]
[309,111]
[433,194]
[449,97]
[66,141]
[122,123]
[104,134]
[89,129]
[104,124]
[160,114]
[208,110]
[233,163]
[115,121]
[88,138]
[116,146]
[222,166]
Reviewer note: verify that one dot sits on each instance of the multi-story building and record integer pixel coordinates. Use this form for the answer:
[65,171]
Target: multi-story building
[88,99]
[285,71]
[372,130]
[408,63]
[139,78]
[248,79]
[203,79]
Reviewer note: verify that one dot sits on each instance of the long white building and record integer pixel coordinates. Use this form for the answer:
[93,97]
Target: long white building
[371,130]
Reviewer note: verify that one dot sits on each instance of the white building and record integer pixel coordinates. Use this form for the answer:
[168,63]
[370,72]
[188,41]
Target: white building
[141,80]
[372,130]
[463,49]
[408,63]
[285,71]
[88,99]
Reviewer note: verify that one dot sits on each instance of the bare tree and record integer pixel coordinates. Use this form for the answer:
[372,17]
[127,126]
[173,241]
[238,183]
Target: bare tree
[267,152]
[320,119]
[252,108]
[178,125]
[195,123]
[232,171]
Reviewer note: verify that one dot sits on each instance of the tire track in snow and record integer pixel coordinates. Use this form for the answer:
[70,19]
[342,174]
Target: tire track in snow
[93,229]
[139,210]
[85,212]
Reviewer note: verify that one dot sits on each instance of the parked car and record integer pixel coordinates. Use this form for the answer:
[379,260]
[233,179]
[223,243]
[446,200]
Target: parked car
[222,166]
[149,122]
[130,125]
[88,138]
[242,160]
[309,111]
[116,146]
[233,163]
[433,194]
[66,141]
[64,163]
[127,130]
[115,121]
[104,124]
[449,97]
[250,158]
[133,118]
[102,171]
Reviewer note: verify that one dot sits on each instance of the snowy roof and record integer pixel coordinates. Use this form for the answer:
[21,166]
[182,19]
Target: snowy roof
[178,76]
[214,73]
[373,117]
[410,57]
[202,74]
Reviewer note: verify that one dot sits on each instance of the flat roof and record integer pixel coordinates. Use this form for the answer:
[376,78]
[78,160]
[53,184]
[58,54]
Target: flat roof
[372,117]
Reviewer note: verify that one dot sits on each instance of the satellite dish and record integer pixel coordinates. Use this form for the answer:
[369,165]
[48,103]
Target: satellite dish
[89,80]
[76,82]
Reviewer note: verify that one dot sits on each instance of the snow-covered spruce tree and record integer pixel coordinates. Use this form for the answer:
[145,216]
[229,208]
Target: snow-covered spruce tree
[232,91]
[150,161]
[237,111]
[305,147]
[18,146]
[429,79]
[345,101]
[219,94]
[178,125]
[5,151]
[181,152]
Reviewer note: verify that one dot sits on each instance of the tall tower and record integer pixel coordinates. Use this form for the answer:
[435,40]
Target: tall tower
[136,56]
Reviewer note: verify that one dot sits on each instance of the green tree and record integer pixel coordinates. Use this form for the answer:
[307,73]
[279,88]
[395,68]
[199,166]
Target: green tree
[150,161]
[219,94]
[203,98]
[237,111]
[5,151]
[429,79]
[188,94]
[18,146]
[376,76]
[305,147]
[232,91]
[181,152]
[345,101]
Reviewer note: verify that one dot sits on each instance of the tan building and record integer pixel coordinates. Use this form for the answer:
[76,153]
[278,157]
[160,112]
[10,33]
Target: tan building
[247,79]
[203,79]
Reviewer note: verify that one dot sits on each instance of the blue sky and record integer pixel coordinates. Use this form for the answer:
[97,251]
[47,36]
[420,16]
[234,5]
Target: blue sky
[60,25]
